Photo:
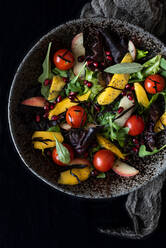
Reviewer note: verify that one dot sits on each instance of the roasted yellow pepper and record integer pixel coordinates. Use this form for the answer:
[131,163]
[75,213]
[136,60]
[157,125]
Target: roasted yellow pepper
[161,123]
[118,81]
[56,86]
[74,176]
[66,103]
[47,139]
[109,146]
[141,95]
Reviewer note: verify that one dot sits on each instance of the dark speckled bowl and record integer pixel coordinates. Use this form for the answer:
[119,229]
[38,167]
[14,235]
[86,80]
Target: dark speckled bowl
[27,74]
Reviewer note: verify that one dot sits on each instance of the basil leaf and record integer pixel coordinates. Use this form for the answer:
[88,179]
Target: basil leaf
[143,152]
[124,68]
[47,74]
[63,153]
[101,175]
[54,129]
[163,63]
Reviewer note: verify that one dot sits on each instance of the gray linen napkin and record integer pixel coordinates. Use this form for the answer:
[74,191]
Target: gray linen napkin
[143,205]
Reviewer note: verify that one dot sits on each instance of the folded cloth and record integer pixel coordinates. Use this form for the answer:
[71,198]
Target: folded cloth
[143,205]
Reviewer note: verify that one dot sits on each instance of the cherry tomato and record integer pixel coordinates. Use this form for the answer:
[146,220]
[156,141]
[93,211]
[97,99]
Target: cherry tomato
[154,83]
[63,59]
[76,116]
[103,160]
[55,155]
[135,124]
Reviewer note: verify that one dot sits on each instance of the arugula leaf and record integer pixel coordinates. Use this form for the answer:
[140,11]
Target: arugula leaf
[47,74]
[121,135]
[124,68]
[143,152]
[152,66]
[101,175]
[63,153]
[141,54]
[54,129]
[75,85]
[60,72]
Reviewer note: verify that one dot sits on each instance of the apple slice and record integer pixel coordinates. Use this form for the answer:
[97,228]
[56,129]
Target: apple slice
[77,45]
[37,101]
[132,49]
[124,169]
[78,50]
[65,126]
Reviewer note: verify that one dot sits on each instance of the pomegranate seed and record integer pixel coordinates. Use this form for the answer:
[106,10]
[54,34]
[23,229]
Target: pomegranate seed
[135,141]
[109,58]
[94,173]
[126,158]
[120,109]
[45,115]
[72,93]
[81,58]
[71,97]
[37,118]
[85,82]
[48,153]
[97,107]
[132,88]
[46,107]
[137,145]
[89,84]
[89,62]
[86,155]
[95,64]
[123,93]
[102,64]
[47,82]
[127,86]
[135,149]
[51,106]
[54,118]
[59,99]
[107,53]
[130,97]
[65,79]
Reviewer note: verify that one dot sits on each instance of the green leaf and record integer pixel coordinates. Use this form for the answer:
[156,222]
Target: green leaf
[54,129]
[47,74]
[143,152]
[163,63]
[45,90]
[163,73]
[141,54]
[60,72]
[124,68]
[63,153]
[101,175]
[121,136]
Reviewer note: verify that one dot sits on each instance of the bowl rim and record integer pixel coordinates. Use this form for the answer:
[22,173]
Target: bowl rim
[28,53]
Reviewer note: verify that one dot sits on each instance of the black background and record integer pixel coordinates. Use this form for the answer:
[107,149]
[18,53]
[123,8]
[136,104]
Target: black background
[31,213]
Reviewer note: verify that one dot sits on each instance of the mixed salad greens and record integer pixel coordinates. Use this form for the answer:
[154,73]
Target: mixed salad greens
[102,102]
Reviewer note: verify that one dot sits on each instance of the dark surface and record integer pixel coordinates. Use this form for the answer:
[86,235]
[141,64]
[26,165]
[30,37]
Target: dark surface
[32,214]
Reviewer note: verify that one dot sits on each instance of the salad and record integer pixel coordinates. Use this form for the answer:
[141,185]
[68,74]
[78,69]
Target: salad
[96,105]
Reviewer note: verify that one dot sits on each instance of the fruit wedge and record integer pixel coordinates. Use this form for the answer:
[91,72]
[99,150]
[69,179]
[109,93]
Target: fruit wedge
[56,86]
[124,169]
[132,49]
[37,101]
[118,83]
[141,95]
[66,103]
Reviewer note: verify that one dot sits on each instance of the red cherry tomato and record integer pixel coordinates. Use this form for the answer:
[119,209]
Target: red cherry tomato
[103,160]
[76,116]
[154,83]
[135,124]
[56,158]
[63,59]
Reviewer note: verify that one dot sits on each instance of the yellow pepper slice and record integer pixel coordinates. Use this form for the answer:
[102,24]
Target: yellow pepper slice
[141,95]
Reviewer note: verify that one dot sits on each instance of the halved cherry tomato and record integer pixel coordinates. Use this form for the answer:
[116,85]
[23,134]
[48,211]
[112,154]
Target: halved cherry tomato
[63,59]
[135,124]
[76,116]
[103,160]
[56,158]
[154,83]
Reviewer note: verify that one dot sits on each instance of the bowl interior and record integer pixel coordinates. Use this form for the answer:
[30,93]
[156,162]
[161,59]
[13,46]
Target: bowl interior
[27,75]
